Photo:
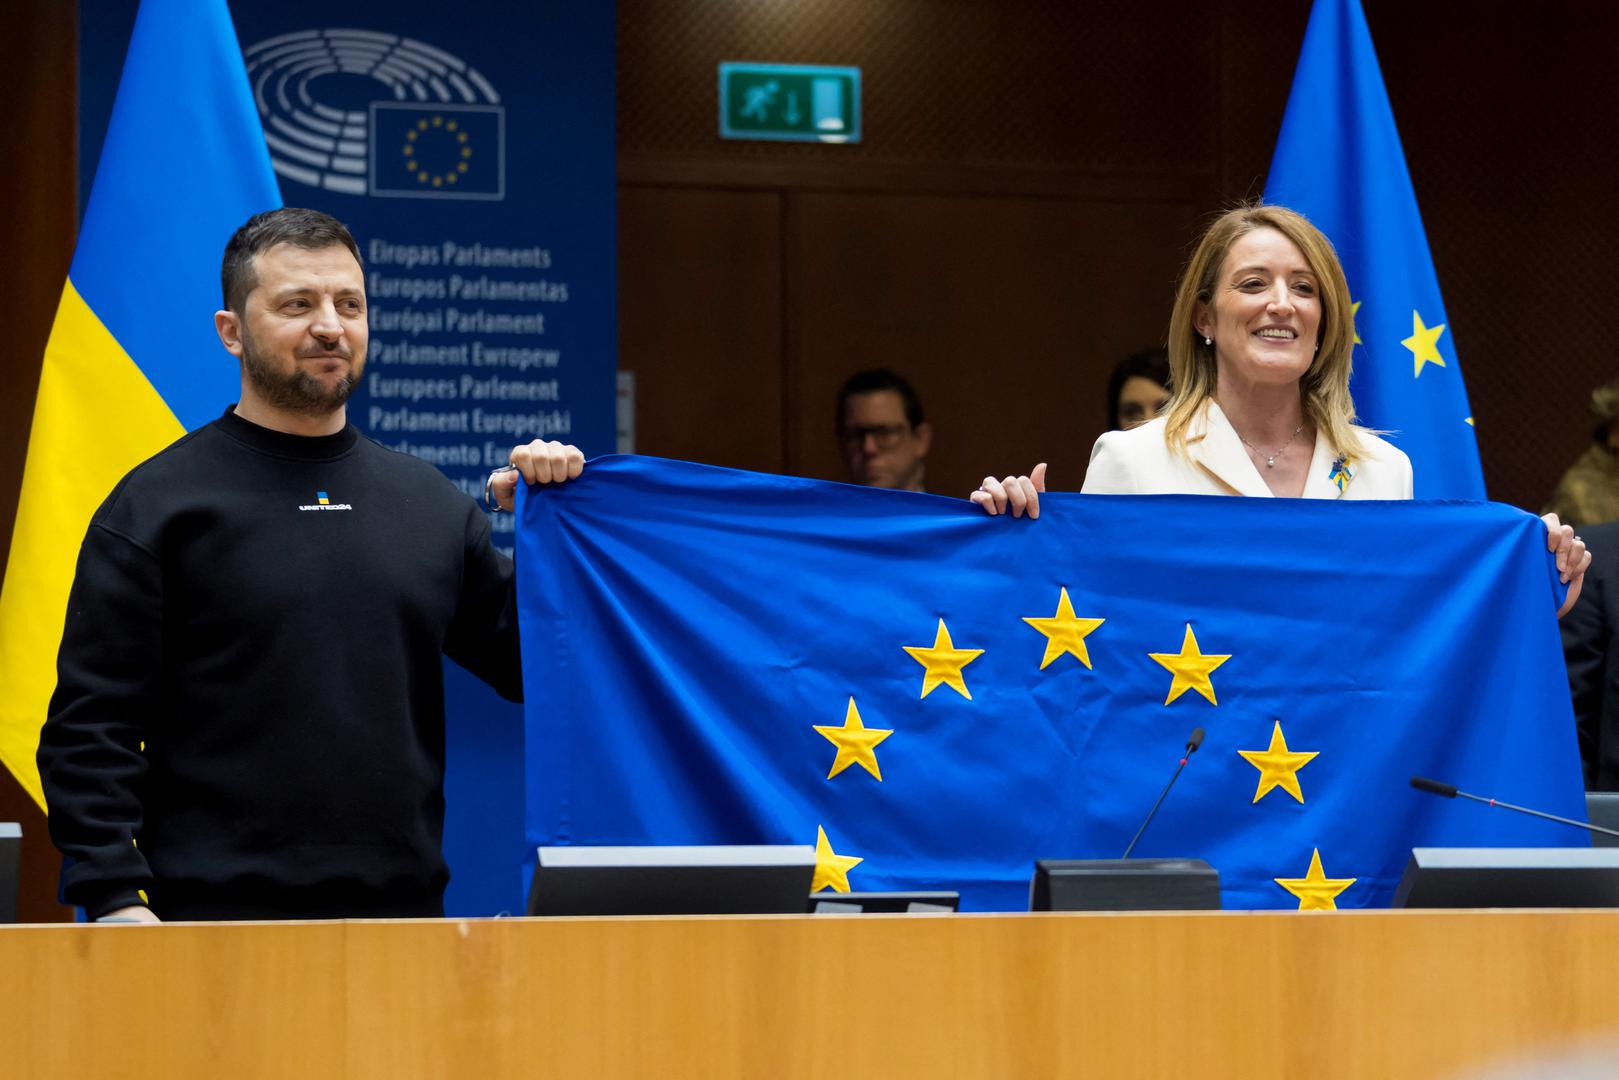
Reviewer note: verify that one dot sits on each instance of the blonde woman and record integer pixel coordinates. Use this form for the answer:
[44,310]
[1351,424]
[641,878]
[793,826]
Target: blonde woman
[1260,344]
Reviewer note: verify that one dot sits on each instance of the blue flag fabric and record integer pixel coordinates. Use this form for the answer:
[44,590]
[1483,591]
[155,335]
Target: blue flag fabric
[1339,162]
[698,643]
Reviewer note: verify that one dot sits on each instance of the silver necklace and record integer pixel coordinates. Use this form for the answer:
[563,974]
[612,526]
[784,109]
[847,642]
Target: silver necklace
[1270,459]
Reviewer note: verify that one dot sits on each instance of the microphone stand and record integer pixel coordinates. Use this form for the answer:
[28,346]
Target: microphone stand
[1449,791]
[1195,741]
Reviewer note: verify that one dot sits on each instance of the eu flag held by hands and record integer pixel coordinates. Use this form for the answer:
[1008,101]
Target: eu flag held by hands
[1339,162]
[935,698]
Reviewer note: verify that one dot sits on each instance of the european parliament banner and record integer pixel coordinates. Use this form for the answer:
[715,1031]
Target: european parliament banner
[471,151]
[936,698]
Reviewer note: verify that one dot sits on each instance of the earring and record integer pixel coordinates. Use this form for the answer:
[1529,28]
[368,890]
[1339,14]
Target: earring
[1208,341]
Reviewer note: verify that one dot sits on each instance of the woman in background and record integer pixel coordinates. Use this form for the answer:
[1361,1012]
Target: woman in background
[1138,389]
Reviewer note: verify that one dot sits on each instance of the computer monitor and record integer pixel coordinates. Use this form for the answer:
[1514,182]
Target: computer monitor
[10,855]
[1124,885]
[1602,808]
[884,903]
[719,880]
[1509,877]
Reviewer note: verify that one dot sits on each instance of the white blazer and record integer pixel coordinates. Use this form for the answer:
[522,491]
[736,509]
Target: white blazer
[1139,462]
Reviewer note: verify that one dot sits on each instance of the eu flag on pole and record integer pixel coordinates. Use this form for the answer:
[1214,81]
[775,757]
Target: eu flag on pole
[132,361]
[1339,162]
[936,698]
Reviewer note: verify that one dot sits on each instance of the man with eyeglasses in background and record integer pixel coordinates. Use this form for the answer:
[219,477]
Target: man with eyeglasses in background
[881,431]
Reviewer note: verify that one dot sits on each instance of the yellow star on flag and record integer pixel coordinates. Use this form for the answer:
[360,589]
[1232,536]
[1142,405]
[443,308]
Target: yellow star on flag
[1065,632]
[1315,890]
[856,743]
[943,663]
[831,869]
[1191,668]
[1354,309]
[1278,766]
[1424,344]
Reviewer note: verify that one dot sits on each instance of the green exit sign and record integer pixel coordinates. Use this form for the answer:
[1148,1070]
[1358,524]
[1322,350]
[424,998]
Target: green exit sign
[797,102]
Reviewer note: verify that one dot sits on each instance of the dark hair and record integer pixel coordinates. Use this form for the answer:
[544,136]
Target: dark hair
[875,381]
[289,225]
[1147,364]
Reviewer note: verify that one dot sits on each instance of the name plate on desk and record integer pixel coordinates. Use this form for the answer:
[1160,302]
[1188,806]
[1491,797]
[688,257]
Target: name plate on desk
[884,903]
[1124,885]
[656,880]
[1510,877]
[10,855]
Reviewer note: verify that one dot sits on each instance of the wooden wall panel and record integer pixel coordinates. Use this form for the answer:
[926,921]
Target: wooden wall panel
[1103,86]
[700,323]
[38,205]
[1008,314]
[1258,48]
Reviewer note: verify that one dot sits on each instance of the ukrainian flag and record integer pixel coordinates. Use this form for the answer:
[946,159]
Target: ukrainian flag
[1340,163]
[133,361]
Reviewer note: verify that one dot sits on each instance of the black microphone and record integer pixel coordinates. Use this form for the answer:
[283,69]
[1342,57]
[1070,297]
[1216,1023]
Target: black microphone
[1434,787]
[1449,791]
[1193,741]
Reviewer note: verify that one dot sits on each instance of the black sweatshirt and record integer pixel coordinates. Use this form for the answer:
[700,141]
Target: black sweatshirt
[249,685]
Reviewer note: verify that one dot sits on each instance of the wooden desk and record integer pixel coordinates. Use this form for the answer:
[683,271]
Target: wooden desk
[1351,994]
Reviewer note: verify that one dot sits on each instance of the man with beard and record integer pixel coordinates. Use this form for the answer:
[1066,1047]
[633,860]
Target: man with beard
[249,720]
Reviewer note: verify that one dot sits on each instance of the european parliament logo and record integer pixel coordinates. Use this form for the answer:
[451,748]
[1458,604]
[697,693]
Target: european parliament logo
[442,151]
[366,113]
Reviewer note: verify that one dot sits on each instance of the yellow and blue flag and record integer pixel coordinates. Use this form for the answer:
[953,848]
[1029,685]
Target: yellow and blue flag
[1339,162]
[936,698]
[132,362]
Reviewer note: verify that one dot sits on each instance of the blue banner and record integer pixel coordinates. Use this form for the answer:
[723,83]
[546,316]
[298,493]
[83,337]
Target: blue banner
[1339,162]
[936,698]
[474,159]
